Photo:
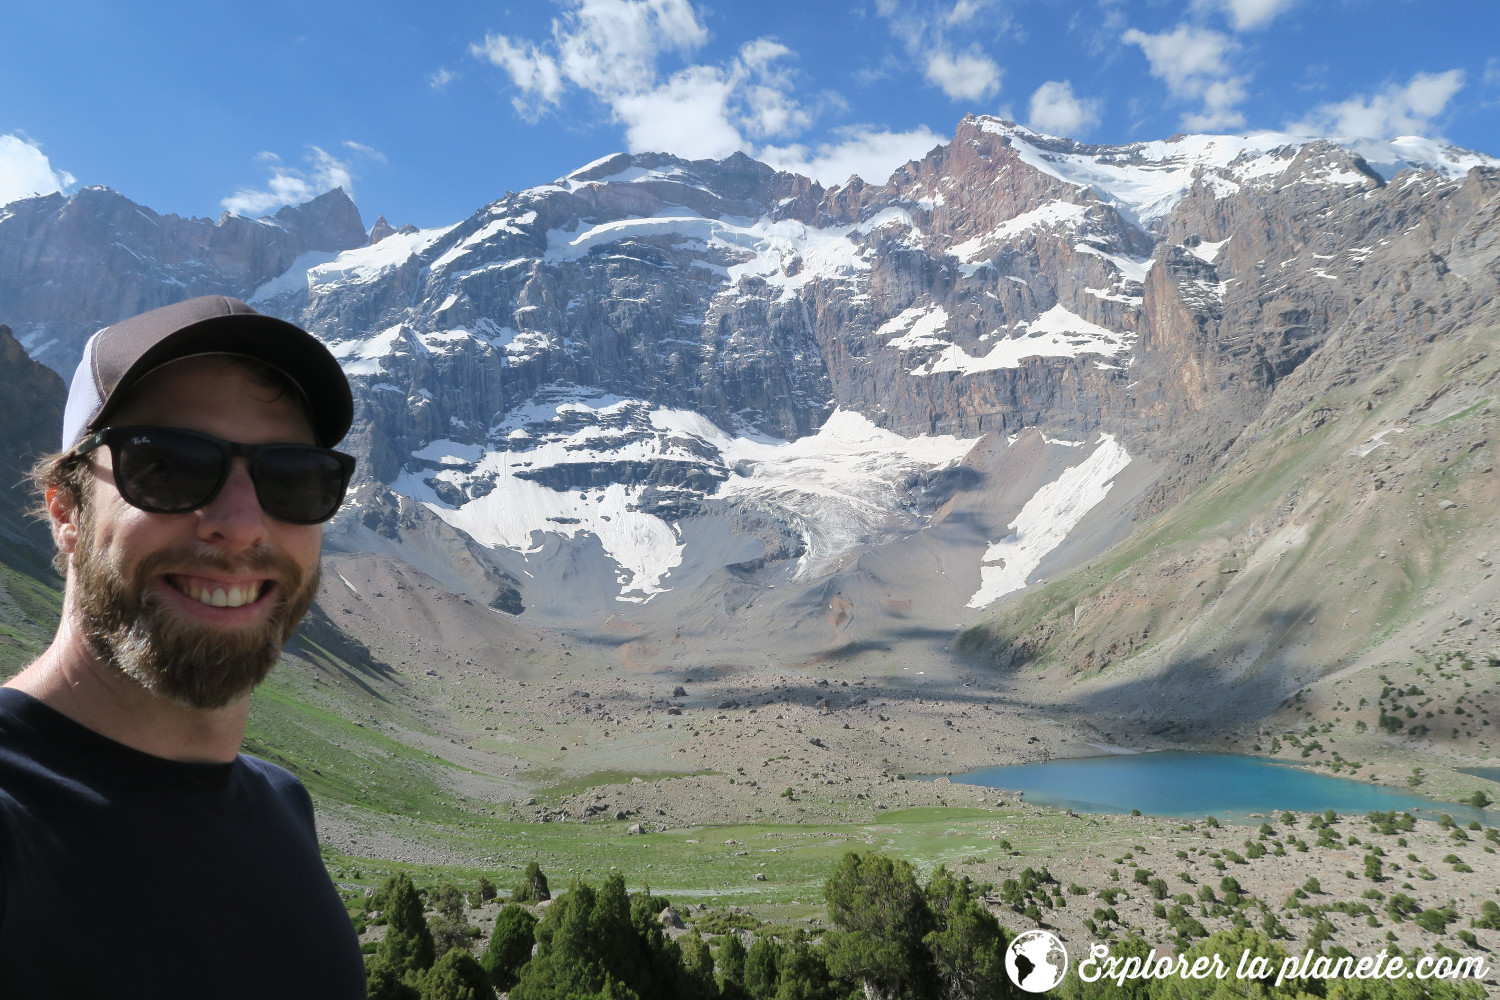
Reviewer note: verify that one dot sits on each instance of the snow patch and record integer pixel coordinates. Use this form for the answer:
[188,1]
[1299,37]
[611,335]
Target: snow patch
[1045,521]
[363,265]
[1051,215]
[294,280]
[1056,333]
[1145,180]
[917,326]
[1208,252]
[1363,449]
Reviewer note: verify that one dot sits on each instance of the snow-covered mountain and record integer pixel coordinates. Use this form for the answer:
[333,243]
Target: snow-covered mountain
[708,395]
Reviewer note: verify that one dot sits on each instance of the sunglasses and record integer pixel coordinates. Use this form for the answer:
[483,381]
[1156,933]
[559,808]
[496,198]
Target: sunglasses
[167,470]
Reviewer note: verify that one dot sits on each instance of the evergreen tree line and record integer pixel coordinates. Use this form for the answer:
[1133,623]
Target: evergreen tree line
[893,939]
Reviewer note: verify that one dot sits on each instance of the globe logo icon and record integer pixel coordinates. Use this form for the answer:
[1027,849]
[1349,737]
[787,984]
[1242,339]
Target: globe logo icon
[1036,961]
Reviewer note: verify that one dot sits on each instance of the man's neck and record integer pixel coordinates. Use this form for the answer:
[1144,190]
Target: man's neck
[72,679]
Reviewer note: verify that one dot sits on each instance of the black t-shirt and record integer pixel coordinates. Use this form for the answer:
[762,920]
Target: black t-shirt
[127,875]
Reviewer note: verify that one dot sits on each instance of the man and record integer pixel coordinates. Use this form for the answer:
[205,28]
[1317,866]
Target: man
[141,855]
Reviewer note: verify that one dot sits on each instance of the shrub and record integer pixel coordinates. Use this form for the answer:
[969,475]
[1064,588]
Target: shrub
[1436,919]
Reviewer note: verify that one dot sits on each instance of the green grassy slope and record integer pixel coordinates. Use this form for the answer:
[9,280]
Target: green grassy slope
[1350,537]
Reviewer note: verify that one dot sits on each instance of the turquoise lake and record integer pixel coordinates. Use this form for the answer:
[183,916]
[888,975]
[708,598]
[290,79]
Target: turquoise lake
[1182,783]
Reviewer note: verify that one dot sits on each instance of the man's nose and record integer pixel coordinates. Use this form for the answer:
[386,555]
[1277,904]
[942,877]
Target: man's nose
[234,518]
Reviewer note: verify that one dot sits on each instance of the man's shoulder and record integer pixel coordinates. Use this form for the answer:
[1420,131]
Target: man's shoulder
[272,777]
[267,771]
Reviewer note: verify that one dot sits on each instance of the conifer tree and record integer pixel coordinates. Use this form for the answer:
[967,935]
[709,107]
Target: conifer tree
[384,982]
[803,974]
[761,976]
[510,946]
[730,961]
[882,917]
[697,967]
[968,946]
[407,945]
[585,939]
[456,976]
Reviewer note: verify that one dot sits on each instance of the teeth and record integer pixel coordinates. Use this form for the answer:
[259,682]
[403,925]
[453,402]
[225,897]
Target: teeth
[219,597]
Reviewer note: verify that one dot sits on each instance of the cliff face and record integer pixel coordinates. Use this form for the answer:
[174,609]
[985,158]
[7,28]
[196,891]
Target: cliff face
[71,265]
[30,426]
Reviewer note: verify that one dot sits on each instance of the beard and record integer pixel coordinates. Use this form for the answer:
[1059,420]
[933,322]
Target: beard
[187,663]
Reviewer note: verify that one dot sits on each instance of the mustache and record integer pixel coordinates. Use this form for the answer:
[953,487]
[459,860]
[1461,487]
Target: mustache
[187,559]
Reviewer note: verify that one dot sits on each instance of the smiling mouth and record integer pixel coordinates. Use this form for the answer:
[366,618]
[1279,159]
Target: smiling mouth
[215,593]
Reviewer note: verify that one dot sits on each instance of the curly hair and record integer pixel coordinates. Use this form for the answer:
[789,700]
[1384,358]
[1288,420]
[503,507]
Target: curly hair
[68,472]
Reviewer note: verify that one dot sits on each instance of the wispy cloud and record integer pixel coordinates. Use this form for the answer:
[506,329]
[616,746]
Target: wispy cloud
[25,171]
[1247,15]
[1397,109]
[1057,110]
[364,150]
[1195,64]
[963,73]
[440,78]
[291,186]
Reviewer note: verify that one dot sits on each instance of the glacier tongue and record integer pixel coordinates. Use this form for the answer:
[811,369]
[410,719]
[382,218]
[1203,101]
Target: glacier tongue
[838,488]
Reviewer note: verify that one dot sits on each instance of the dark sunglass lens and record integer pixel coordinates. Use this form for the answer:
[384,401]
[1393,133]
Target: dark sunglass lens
[166,473]
[299,484]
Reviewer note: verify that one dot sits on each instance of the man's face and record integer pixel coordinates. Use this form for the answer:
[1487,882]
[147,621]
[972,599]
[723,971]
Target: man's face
[196,607]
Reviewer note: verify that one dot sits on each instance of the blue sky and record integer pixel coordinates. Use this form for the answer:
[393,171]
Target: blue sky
[426,115]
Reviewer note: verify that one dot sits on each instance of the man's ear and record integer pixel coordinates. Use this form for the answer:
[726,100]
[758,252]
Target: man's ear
[62,509]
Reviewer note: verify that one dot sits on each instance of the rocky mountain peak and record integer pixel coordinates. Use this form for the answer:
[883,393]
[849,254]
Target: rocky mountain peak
[71,265]
[380,230]
[329,222]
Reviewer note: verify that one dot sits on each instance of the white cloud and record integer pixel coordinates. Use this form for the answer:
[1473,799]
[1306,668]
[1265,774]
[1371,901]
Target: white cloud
[1184,57]
[1056,110]
[1195,64]
[26,172]
[963,12]
[607,47]
[967,76]
[687,116]
[611,45]
[1246,15]
[611,49]
[369,151]
[290,186]
[1256,13]
[440,78]
[871,154]
[1396,110]
[535,73]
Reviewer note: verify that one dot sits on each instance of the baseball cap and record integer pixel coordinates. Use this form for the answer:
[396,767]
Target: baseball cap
[121,354]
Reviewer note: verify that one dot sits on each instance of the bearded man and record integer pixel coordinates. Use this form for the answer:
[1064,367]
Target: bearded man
[141,854]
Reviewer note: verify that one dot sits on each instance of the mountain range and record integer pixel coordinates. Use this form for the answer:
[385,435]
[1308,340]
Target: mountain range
[1170,433]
